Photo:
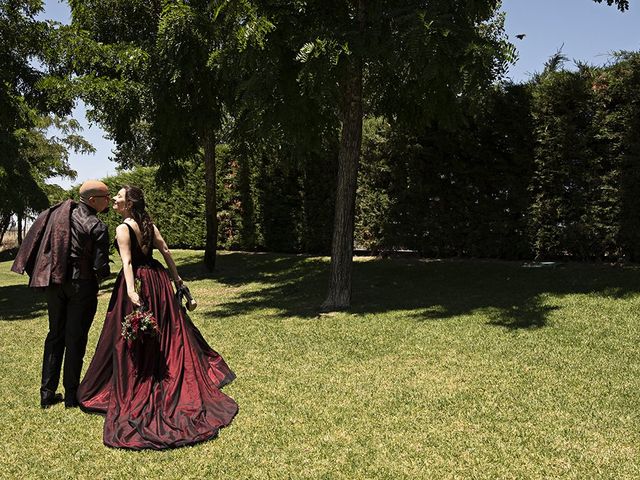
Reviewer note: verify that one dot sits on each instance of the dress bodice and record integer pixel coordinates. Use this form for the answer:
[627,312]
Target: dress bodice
[138,257]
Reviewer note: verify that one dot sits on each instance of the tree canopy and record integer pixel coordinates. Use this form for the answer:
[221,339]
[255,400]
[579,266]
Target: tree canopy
[410,62]
[35,95]
[157,76]
[621,4]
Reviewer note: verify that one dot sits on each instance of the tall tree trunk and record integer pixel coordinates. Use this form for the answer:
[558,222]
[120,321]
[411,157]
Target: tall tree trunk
[19,229]
[5,221]
[210,199]
[339,295]
[247,212]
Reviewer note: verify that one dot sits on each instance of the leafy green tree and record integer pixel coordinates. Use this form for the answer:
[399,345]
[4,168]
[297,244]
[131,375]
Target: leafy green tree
[563,121]
[33,98]
[285,133]
[621,4]
[157,75]
[406,61]
[585,161]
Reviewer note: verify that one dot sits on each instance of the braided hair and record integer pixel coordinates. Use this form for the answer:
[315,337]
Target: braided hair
[139,213]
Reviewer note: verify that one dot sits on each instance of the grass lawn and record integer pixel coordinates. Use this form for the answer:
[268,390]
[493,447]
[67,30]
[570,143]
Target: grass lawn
[441,370]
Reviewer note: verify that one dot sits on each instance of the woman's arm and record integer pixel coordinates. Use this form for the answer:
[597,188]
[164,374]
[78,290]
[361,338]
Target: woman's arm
[161,246]
[124,245]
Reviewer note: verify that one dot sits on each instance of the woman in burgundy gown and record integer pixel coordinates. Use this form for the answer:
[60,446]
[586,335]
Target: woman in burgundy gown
[158,391]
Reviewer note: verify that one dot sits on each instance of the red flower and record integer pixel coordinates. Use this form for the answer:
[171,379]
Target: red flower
[139,322]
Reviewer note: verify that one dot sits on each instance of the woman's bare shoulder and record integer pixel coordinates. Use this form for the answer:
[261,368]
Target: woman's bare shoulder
[132,223]
[122,229]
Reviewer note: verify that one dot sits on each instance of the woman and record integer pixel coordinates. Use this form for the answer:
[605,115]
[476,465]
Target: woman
[158,391]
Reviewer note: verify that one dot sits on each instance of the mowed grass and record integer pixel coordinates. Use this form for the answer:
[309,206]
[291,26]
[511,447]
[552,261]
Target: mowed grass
[440,370]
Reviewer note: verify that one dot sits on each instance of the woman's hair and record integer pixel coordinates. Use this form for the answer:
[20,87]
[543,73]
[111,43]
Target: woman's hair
[139,213]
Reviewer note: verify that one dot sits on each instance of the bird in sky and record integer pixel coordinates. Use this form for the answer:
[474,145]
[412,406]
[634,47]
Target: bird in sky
[521,36]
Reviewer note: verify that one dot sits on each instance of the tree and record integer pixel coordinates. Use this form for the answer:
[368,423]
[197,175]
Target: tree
[157,75]
[33,98]
[41,155]
[404,60]
[621,4]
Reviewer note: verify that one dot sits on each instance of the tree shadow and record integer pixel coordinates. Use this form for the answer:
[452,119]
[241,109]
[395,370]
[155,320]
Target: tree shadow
[509,295]
[20,302]
[9,254]
[290,284]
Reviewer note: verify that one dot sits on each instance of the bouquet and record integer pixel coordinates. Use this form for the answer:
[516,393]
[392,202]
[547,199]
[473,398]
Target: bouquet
[139,322]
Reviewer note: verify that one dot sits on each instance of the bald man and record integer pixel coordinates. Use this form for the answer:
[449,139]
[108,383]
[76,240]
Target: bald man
[72,303]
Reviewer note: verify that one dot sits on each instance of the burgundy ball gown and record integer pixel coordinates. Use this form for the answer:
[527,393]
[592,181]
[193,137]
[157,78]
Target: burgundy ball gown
[158,392]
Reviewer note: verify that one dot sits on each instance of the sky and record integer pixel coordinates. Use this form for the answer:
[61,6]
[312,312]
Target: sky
[584,30]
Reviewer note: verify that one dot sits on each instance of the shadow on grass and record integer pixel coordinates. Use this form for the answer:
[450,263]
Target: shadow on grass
[9,254]
[19,302]
[292,284]
[510,295]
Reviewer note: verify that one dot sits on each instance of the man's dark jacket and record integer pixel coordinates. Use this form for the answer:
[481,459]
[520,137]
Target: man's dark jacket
[45,253]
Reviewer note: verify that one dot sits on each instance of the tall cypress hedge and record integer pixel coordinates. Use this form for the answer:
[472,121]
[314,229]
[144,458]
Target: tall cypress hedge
[587,157]
[449,192]
[618,93]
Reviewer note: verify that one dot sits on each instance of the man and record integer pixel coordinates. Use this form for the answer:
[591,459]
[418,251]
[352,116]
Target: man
[66,252]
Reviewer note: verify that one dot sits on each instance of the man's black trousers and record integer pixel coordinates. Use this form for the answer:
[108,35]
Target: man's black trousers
[72,307]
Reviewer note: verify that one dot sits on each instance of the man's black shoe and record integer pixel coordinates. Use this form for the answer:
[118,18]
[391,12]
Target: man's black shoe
[47,401]
[71,401]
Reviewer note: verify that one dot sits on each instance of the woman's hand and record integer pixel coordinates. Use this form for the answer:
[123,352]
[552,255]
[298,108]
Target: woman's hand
[135,298]
[178,281]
